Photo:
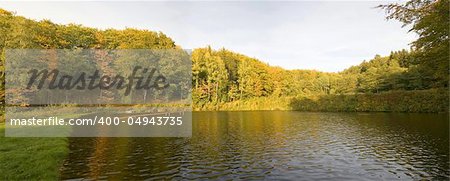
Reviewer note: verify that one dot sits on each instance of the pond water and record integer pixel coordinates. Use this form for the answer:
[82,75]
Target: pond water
[254,145]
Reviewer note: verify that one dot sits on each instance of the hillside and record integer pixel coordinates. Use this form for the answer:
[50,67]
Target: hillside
[227,80]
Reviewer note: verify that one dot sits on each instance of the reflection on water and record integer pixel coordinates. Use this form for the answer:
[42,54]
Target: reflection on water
[275,145]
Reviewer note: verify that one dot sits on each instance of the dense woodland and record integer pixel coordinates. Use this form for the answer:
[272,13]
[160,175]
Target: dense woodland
[414,80]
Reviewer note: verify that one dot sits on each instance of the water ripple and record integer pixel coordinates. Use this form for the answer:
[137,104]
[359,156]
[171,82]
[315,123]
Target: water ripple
[277,145]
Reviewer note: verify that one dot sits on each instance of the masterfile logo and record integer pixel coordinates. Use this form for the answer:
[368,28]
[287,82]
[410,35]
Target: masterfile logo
[60,76]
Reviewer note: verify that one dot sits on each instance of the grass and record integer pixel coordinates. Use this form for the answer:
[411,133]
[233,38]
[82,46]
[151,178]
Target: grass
[31,158]
[256,103]
[427,101]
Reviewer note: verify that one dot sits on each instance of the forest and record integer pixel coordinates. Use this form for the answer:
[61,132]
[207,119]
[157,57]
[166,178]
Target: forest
[413,80]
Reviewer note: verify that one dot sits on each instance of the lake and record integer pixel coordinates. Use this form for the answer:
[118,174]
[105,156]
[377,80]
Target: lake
[254,145]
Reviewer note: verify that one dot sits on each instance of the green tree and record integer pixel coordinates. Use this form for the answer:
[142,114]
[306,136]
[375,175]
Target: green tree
[430,20]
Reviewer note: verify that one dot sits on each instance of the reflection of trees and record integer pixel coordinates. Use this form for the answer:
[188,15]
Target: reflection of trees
[263,143]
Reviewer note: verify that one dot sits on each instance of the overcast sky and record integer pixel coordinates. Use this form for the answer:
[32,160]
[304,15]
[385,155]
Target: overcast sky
[324,35]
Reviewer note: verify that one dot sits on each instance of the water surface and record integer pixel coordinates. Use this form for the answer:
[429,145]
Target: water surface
[256,145]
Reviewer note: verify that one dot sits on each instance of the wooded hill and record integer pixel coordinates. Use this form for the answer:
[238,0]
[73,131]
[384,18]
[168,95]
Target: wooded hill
[225,80]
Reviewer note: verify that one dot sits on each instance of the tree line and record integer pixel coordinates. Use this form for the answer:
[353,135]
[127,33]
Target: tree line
[221,77]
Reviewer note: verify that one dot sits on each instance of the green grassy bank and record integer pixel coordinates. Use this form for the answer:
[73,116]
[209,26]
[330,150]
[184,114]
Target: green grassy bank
[260,103]
[31,158]
[426,101]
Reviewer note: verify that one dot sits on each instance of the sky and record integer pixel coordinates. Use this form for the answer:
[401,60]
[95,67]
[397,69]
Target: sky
[322,35]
